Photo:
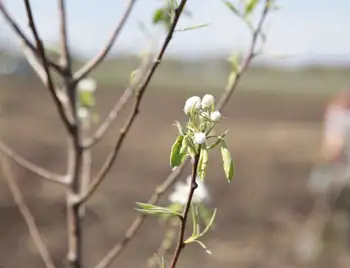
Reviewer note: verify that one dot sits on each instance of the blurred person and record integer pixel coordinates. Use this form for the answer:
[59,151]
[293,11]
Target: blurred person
[329,181]
[336,135]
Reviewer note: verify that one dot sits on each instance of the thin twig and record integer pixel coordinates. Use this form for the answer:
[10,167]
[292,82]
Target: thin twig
[251,54]
[139,94]
[135,226]
[88,67]
[27,215]
[65,55]
[181,241]
[62,110]
[120,104]
[24,163]
[22,36]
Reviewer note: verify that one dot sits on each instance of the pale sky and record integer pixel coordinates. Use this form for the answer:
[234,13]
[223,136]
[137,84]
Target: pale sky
[302,29]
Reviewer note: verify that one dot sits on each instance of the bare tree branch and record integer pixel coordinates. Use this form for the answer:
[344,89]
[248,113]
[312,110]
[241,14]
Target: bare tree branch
[27,215]
[88,67]
[139,94]
[22,36]
[172,178]
[62,110]
[24,163]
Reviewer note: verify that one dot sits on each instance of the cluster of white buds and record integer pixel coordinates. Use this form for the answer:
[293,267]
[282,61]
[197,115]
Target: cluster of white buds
[192,139]
[202,112]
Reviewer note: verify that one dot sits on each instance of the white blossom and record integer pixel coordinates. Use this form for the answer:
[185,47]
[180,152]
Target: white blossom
[207,101]
[194,101]
[215,116]
[199,137]
[83,113]
[181,191]
[87,85]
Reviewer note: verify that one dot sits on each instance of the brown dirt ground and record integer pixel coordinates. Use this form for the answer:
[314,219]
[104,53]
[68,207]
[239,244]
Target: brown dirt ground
[274,141]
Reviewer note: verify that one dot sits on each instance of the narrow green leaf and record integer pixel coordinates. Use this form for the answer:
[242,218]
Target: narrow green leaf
[193,27]
[203,163]
[210,223]
[231,7]
[250,6]
[154,210]
[203,246]
[175,155]
[158,15]
[227,162]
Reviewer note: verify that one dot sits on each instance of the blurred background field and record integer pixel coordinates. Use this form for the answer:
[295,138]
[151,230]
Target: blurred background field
[275,121]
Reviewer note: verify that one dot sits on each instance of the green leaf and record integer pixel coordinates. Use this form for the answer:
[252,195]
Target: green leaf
[193,27]
[175,207]
[250,6]
[203,246]
[227,162]
[176,157]
[158,15]
[86,99]
[231,7]
[154,210]
[203,163]
[211,221]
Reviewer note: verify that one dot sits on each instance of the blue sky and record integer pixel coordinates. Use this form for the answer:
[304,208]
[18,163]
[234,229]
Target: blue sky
[304,30]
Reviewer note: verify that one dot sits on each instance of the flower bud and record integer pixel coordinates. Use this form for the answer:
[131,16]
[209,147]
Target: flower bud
[207,101]
[83,113]
[87,85]
[193,102]
[199,138]
[215,116]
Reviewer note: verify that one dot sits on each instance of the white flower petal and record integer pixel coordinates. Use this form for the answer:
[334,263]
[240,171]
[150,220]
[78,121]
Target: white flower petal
[199,138]
[87,85]
[215,116]
[207,101]
[192,102]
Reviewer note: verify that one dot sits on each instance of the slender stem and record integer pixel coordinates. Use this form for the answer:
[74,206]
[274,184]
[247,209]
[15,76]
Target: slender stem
[251,54]
[181,241]
[27,215]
